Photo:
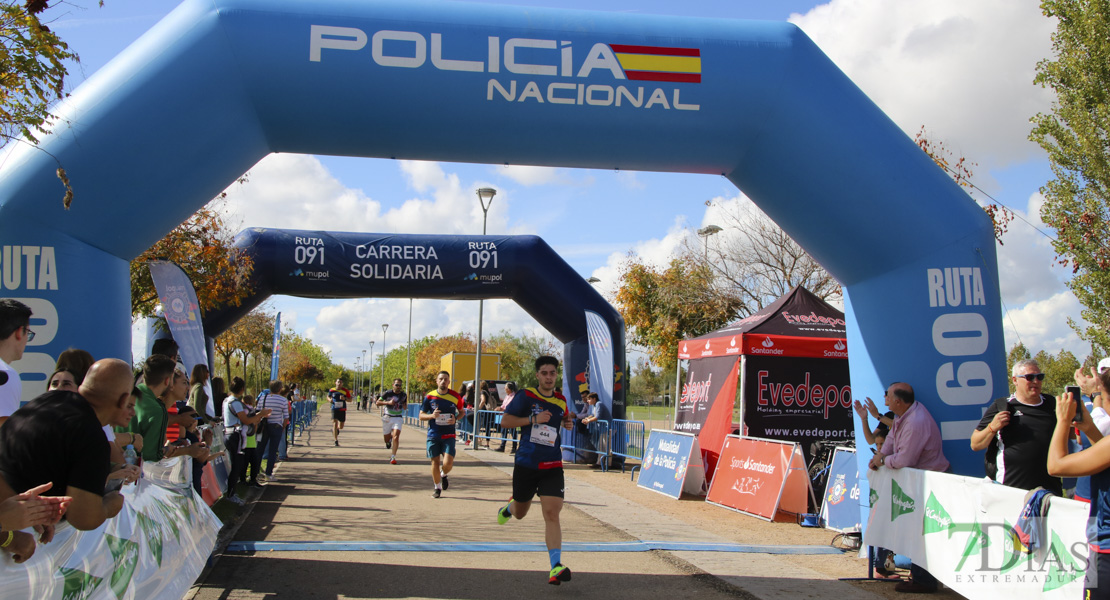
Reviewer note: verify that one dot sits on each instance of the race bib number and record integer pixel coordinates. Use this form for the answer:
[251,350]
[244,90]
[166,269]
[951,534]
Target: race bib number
[445,419]
[544,434]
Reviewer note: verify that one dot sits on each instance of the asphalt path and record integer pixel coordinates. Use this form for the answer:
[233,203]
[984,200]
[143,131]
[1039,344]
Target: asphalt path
[341,522]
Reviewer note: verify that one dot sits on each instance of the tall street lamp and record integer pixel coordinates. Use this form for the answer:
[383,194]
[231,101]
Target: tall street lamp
[361,379]
[705,232]
[384,327]
[370,372]
[354,380]
[485,198]
[408,353]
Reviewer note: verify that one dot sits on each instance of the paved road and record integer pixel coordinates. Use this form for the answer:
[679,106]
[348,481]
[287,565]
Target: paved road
[357,527]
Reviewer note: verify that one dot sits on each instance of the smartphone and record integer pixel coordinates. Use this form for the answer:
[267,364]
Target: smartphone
[1074,389]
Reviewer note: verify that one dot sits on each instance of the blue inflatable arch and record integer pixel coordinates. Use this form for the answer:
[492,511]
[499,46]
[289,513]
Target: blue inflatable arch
[321,264]
[219,84]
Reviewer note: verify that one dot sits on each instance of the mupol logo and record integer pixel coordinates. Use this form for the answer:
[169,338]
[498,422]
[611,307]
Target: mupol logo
[471,277]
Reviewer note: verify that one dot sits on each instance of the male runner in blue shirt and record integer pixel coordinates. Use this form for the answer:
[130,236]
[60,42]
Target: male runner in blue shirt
[440,408]
[539,461]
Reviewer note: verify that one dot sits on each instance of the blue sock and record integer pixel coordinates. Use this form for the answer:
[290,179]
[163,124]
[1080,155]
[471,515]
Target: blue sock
[555,555]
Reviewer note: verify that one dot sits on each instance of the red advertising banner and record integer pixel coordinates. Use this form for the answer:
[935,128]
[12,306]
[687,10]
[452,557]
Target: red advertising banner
[750,344]
[760,478]
[705,409]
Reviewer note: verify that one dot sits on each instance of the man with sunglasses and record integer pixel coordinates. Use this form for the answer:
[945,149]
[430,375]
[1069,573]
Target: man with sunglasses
[1016,433]
[15,332]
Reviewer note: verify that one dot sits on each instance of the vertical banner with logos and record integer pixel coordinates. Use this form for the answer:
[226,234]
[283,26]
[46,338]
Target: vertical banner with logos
[760,478]
[840,504]
[705,408]
[601,359]
[797,400]
[182,312]
[276,349]
[672,464]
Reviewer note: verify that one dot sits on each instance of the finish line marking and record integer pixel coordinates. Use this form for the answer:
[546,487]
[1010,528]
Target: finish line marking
[520,547]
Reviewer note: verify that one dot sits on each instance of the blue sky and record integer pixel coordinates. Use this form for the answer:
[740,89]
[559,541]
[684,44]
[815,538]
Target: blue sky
[962,69]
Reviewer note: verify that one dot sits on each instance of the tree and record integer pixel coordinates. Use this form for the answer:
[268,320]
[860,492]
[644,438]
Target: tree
[1059,370]
[664,306]
[250,336]
[756,262]
[518,355]
[33,71]
[960,171]
[1075,134]
[202,247]
[426,361]
[646,384]
[304,362]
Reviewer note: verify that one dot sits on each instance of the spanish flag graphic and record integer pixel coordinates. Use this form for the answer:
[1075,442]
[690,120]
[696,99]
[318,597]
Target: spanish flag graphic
[658,63]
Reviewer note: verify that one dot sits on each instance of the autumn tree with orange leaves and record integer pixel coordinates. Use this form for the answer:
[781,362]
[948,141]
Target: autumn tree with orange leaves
[201,246]
[664,306]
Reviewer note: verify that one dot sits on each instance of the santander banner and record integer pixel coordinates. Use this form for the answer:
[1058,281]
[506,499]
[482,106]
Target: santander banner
[799,400]
[760,478]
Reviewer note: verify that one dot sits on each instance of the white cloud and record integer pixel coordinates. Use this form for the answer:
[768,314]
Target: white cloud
[295,191]
[963,69]
[1040,325]
[526,175]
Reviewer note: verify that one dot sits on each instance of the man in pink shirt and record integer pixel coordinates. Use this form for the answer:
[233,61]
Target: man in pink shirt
[914,442]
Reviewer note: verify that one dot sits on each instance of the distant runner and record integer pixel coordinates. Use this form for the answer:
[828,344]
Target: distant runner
[539,461]
[339,397]
[440,408]
[395,402]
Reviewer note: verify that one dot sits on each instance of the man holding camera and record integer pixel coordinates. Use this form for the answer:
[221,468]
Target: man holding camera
[1017,431]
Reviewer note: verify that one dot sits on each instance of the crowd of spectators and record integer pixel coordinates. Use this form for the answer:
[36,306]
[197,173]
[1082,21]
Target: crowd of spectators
[64,454]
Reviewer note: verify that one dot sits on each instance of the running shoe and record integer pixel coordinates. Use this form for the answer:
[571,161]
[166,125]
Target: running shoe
[388,445]
[436,493]
[445,484]
[336,443]
[504,514]
[392,460]
[559,574]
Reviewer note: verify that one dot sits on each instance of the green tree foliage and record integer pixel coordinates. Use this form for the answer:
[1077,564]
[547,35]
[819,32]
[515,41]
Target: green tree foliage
[665,306]
[249,338]
[304,362]
[519,353]
[1059,369]
[647,385]
[32,71]
[1076,135]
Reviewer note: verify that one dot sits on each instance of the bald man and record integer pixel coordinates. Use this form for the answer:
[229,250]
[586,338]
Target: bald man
[58,438]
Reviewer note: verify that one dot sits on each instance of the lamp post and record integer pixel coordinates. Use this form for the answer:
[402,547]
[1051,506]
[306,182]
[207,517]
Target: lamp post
[354,380]
[361,379]
[705,232]
[408,353]
[370,372]
[384,327]
[485,198]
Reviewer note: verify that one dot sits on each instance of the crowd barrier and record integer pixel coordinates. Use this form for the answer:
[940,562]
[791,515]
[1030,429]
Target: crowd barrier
[963,531]
[594,441]
[304,413]
[154,548]
[627,440]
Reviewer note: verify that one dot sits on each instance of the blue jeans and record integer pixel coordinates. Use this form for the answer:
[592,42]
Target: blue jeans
[282,450]
[271,437]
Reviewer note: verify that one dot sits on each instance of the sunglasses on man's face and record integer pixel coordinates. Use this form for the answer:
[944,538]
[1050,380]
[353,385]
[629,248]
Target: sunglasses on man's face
[1031,377]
